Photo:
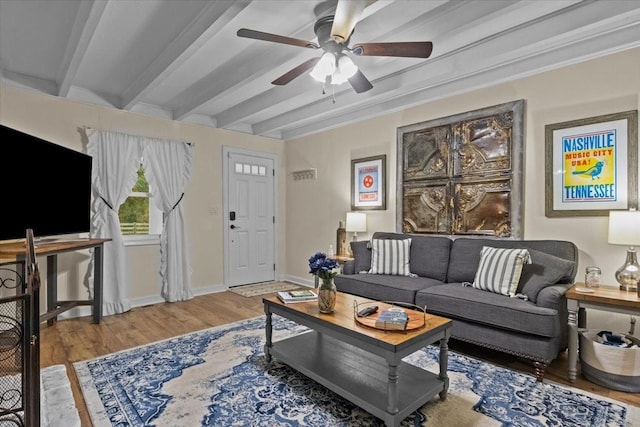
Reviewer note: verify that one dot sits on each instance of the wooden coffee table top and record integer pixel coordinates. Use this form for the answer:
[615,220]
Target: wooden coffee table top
[344,317]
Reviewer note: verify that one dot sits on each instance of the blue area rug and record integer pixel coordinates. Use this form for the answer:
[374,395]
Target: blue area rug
[219,377]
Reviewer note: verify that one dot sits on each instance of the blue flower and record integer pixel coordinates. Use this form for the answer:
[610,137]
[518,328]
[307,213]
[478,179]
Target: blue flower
[323,267]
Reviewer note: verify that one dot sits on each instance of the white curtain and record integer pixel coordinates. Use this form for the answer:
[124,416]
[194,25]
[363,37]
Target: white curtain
[167,165]
[116,158]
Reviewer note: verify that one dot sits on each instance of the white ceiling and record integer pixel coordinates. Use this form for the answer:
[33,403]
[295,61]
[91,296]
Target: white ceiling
[182,59]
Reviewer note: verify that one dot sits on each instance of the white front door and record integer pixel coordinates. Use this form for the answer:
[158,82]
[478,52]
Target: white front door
[249,218]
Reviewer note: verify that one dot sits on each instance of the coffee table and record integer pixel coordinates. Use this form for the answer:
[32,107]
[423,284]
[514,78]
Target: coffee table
[363,365]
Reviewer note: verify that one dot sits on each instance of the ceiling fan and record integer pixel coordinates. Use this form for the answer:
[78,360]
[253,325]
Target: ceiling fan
[334,32]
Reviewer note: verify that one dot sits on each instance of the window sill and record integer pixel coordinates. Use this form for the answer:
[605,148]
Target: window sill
[153,239]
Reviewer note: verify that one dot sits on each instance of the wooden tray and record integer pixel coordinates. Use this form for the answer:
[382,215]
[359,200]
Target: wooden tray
[417,315]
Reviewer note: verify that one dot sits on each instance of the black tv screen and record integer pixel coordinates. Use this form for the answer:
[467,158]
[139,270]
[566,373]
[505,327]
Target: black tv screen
[45,186]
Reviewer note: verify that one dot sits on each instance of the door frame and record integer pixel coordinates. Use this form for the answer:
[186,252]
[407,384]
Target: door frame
[226,152]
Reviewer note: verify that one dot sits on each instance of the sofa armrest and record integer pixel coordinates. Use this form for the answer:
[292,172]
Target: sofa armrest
[553,296]
[349,267]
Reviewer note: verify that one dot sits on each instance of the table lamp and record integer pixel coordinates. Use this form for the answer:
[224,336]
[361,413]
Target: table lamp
[624,229]
[356,223]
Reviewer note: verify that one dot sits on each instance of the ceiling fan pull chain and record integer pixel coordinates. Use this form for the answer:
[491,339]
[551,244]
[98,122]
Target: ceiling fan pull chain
[333,93]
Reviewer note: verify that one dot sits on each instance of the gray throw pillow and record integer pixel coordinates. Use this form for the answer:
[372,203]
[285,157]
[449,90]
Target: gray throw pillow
[390,256]
[544,270]
[500,270]
[362,255]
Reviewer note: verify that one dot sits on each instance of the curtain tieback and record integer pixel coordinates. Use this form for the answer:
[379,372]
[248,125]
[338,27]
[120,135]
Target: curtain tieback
[106,203]
[179,200]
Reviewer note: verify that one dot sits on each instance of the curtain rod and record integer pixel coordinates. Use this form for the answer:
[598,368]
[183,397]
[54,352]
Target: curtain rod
[88,130]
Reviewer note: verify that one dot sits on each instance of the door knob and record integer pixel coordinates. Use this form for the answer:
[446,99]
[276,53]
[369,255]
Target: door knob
[232,226]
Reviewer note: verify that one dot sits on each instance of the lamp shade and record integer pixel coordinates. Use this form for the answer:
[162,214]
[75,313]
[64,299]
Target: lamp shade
[356,222]
[624,228]
[346,66]
[326,66]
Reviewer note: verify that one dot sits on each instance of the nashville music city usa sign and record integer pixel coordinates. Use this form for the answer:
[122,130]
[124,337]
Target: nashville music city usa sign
[589,172]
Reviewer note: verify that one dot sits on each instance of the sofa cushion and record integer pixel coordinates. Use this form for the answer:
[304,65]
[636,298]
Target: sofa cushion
[455,301]
[544,270]
[465,255]
[383,287]
[499,270]
[390,256]
[362,256]
[429,254]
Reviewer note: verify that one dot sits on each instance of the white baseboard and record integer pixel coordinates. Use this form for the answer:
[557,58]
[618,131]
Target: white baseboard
[83,311]
[140,302]
[299,281]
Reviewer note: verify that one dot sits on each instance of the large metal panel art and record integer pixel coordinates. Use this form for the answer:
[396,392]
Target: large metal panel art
[461,175]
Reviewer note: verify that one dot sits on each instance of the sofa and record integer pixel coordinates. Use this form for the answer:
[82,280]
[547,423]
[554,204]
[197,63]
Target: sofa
[527,317]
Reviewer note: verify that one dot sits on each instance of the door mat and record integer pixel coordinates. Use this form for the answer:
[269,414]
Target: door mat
[262,288]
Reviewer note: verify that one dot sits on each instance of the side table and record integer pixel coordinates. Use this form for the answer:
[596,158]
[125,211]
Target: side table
[603,298]
[342,258]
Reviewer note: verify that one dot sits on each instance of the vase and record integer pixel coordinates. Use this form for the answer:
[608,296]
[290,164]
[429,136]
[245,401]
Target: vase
[327,296]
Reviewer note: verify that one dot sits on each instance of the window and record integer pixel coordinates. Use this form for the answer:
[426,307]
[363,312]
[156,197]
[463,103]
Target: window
[140,219]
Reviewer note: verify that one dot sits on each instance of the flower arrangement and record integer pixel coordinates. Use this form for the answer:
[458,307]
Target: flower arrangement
[323,267]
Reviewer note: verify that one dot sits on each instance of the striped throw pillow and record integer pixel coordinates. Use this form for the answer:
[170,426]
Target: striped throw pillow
[500,269]
[390,256]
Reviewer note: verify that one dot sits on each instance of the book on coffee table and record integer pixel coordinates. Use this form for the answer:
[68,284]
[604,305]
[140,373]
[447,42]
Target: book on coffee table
[392,319]
[301,295]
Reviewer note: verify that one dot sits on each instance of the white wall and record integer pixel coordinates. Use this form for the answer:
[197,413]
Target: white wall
[60,121]
[601,86]
[310,210]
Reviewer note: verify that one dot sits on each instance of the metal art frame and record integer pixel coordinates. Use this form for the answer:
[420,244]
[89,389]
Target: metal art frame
[462,174]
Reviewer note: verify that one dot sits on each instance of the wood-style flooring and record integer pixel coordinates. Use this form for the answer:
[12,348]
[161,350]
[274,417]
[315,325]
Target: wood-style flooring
[72,340]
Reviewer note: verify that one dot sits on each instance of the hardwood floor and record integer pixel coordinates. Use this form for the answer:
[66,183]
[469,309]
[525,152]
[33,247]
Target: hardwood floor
[72,340]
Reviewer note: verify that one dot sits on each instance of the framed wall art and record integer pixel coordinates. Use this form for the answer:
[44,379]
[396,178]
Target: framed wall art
[368,183]
[462,174]
[591,165]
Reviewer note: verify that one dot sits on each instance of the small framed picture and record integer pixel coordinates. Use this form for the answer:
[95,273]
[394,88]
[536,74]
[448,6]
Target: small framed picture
[368,183]
[591,165]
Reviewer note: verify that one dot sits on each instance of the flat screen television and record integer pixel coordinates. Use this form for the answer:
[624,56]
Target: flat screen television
[44,186]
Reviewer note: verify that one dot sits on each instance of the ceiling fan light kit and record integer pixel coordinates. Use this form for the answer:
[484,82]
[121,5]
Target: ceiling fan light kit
[346,69]
[334,33]
[339,71]
[325,67]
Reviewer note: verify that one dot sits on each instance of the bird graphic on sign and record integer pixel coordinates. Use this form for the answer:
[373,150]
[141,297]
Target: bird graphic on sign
[593,171]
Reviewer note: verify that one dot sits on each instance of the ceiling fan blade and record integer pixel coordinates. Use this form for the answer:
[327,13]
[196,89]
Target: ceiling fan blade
[404,49]
[259,35]
[347,14]
[292,74]
[359,82]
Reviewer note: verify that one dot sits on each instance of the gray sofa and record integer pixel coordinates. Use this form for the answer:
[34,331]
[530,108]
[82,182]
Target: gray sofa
[532,325]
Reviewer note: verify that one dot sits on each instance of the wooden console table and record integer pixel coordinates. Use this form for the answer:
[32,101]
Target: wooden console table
[15,252]
[602,298]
